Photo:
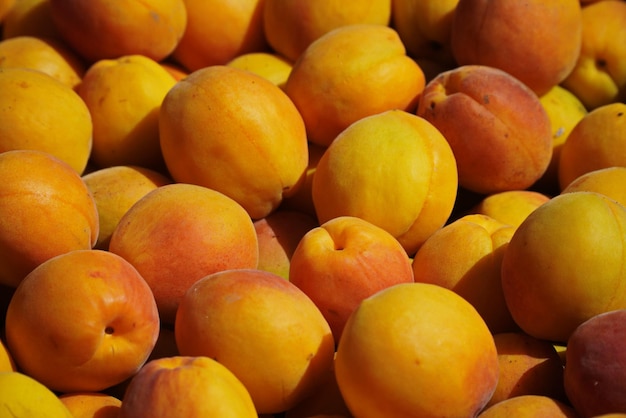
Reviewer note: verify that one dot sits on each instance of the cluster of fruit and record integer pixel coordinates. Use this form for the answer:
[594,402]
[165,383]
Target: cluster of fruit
[300,209]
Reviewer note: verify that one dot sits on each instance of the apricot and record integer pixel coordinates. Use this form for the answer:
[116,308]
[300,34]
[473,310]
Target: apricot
[262,328]
[30,18]
[496,34]
[219,31]
[594,143]
[49,56]
[35,114]
[92,404]
[595,365]
[342,262]
[114,190]
[45,210]
[291,26]
[599,76]
[82,321]
[608,181]
[235,132]
[374,75]
[99,29]
[498,130]
[528,366]
[510,207]
[179,233]
[465,256]
[565,110]
[124,96]
[23,396]
[278,234]
[202,387]
[416,349]
[425,28]
[5,8]
[530,406]
[269,65]
[393,159]
[564,264]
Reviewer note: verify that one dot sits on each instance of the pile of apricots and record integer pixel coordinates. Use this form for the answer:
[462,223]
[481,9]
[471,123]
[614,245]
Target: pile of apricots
[312,209]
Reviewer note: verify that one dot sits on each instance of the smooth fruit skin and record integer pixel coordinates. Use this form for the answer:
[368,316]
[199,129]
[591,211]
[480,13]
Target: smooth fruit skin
[21,396]
[183,386]
[530,406]
[179,233]
[595,365]
[45,210]
[374,75]
[565,264]
[608,181]
[82,321]
[235,132]
[496,34]
[28,120]
[92,404]
[262,328]
[416,350]
[391,159]
[510,207]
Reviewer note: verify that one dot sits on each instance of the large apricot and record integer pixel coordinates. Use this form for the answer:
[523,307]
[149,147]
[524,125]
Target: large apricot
[497,34]
[218,31]
[373,75]
[390,160]
[235,132]
[497,128]
[45,210]
[179,233]
[100,29]
[39,112]
[565,264]
[416,350]
[124,96]
[291,26]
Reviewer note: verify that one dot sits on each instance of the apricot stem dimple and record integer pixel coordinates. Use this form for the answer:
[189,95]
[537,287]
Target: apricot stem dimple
[109,330]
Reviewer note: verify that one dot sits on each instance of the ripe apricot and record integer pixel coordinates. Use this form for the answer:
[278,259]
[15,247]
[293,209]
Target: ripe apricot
[530,406]
[391,159]
[373,75]
[24,396]
[608,181]
[30,18]
[416,349]
[35,113]
[99,29]
[91,404]
[45,210]
[235,132]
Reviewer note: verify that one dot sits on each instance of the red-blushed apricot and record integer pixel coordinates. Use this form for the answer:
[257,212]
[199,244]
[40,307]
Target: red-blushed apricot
[115,189]
[278,234]
[235,132]
[342,262]
[393,159]
[416,349]
[528,366]
[529,406]
[23,396]
[190,387]
[45,210]
[597,141]
[498,130]
[82,321]
[178,233]
[91,404]
[595,365]
[100,29]
[124,96]
[565,264]
[263,329]
[599,77]
[47,55]
[497,34]
[218,31]
[465,256]
[39,112]
[608,181]
[291,26]
[374,75]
